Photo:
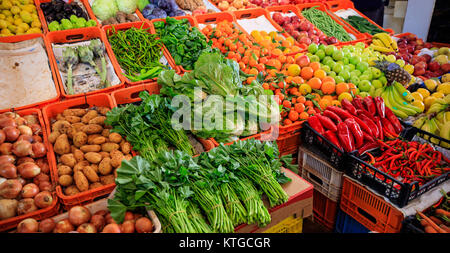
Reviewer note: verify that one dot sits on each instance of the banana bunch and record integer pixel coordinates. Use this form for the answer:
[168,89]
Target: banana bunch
[399,100]
[384,43]
[438,125]
[441,104]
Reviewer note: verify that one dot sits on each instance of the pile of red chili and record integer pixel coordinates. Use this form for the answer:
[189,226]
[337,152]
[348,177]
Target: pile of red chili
[410,161]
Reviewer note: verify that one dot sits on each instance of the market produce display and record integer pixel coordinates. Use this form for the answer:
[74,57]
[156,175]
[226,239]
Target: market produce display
[87,152]
[326,24]
[184,42]
[80,219]
[219,187]
[18,18]
[25,184]
[138,52]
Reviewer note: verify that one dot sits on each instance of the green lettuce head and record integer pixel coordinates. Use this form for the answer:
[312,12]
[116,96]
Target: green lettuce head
[104,9]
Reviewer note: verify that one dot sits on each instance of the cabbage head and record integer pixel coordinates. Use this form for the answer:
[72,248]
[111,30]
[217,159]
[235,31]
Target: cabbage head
[104,9]
[127,6]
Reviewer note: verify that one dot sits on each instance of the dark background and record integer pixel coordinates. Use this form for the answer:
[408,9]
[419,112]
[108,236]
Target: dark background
[440,28]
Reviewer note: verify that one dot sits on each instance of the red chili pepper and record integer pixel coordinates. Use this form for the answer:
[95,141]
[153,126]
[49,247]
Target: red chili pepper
[356,131]
[343,114]
[314,122]
[388,126]
[333,116]
[327,123]
[370,105]
[363,126]
[379,104]
[331,136]
[368,146]
[371,124]
[394,120]
[346,105]
[377,121]
[345,137]
[367,137]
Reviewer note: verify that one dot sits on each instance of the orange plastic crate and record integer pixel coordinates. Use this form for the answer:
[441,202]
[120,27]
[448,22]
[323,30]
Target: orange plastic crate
[369,209]
[192,22]
[49,113]
[44,21]
[131,95]
[214,18]
[347,4]
[44,213]
[51,62]
[108,29]
[77,35]
[322,7]
[325,210]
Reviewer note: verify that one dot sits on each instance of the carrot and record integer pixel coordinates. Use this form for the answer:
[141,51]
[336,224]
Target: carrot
[444,227]
[424,223]
[436,220]
[442,212]
[436,227]
[430,230]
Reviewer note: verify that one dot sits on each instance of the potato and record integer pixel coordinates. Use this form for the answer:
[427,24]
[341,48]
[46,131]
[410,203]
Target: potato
[68,159]
[71,190]
[81,181]
[71,132]
[78,154]
[73,119]
[115,137]
[109,179]
[74,112]
[88,116]
[97,140]
[53,136]
[92,129]
[94,167]
[103,110]
[95,185]
[90,174]
[78,126]
[125,147]
[90,148]
[64,170]
[104,154]
[65,180]
[59,116]
[79,139]
[93,157]
[116,158]
[61,126]
[62,145]
[80,165]
[105,133]
[98,120]
[105,166]
[128,157]
[109,146]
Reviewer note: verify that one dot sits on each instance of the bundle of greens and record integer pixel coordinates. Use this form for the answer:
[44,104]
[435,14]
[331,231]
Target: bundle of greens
[216,75]
[147,126]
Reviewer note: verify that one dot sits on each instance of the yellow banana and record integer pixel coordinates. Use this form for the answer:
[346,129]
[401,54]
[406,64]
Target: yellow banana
[377,42]
[382,49]
[405,94]
[396,107]
[400,102]
[386,39]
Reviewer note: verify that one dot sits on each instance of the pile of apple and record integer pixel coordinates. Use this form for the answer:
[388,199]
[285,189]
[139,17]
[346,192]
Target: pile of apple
[266,3]
[302,30]
[234,5]
[409,48]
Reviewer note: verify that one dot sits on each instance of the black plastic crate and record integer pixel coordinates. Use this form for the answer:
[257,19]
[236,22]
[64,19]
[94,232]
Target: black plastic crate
[318,144]
[411,131]
[411,225]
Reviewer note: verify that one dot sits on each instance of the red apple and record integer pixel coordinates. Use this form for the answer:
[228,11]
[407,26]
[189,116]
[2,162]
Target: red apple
[445,67]
[434,66]
[420,42]
[305,40]
[421,64]
[418,71]
[427,58]
[303,61]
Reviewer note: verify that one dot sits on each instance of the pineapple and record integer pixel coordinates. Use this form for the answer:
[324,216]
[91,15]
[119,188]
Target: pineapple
[393,72]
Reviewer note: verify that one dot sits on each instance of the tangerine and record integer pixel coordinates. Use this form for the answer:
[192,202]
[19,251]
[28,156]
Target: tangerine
[315,83]
[341,88]
[307,73]
[328,88]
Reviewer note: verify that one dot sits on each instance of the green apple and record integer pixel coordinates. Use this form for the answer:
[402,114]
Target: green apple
[346,61]
[344,74]
[331,64]
[331,73]
[362,66]
[322,47]
[355,80]
[339,79]
[365,77]
[338,67]
[360,45]
[325,68]
[376,73]
[329,50]
[309,54]
[337,55]
[351,67]
[368,73]
[363,94]
[372,91]
[327,58]
[377,83]
[364,85]
[355,73]
[314,58]
[355,60]
[312,48]
[320,53]
[383,80]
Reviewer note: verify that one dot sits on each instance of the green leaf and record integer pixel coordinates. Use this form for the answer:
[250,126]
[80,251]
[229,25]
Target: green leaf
[117,210]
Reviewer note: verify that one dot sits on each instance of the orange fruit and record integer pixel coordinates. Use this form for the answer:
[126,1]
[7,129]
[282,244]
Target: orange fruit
[253,71]
[287,122]
[276,52]
[301,99]
[336,103]
[311,111]
[345,95]
[320,73]
[307,73]
[294,70]
[328,79]
[324,103]
[287,43]
[265,86]
[303,116]
[299,107]
[328,97]
[288,79]
[342,87]
[293,115]
[282,58]
[316,96]
[328,88]
[287,104]
[315,83]
[290,60]
[295,49]
[298,80]
[315,65]
[309,103]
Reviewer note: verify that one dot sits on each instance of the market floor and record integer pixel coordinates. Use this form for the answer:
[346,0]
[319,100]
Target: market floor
[311,227]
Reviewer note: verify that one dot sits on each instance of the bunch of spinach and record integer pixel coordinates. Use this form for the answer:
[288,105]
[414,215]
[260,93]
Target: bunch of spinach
[147,126]
[184,42]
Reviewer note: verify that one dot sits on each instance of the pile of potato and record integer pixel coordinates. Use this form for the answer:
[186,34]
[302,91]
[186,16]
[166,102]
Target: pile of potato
[87,153]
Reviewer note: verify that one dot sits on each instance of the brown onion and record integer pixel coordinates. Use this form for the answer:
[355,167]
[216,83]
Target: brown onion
[36,129]
[25,130]
[24,160]
[31,119]
[20,121]
[28,170]
[63,226]
[22,148]
[8,170]
[7,122]
[26,205]
[47,225]
[11,115]
[144,225]
[2,136]
[45,186]
[38,150]
[10,189]
[98,221]
[86,228]
[43,199]
[7,159]
[29,190]
[37,138]
[45,168]
[111,228]
[6,148]
[79,215]
[127,227]
[23,137]
[11,133]
[42,177]
[29,225]
[22,181]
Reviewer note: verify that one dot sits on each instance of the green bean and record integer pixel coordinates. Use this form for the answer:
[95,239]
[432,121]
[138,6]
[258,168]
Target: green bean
[326,24]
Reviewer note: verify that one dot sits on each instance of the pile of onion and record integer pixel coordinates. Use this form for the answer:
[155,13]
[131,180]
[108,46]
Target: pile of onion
[24,170]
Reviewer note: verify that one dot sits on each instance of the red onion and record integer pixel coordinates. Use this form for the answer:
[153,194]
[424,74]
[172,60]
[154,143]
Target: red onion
[37,138]
[5,122]
[6,148]
[28,138]
[8,170]
[10,189]
[24,160]
[28,170]
[29,190]
[12,133]
[44,199]
[22,148]
[7,159]
[20,121]
[38,150]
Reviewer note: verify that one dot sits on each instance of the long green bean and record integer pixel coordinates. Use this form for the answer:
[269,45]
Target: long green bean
[326,24]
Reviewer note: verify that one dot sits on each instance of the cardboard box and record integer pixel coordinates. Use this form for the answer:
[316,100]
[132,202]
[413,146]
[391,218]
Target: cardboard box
[300,204]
